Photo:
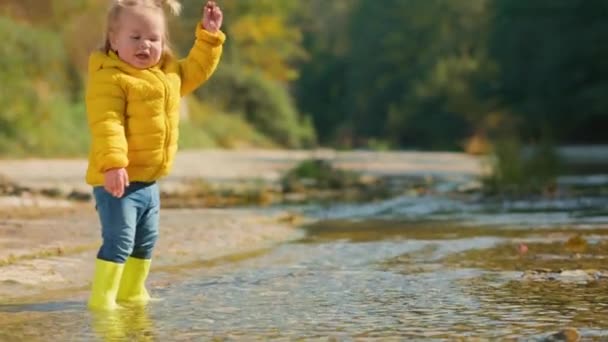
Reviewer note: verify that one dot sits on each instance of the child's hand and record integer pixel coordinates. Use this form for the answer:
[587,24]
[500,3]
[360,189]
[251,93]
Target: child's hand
[212,17]
[115,181]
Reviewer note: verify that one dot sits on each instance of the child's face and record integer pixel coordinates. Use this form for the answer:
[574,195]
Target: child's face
[138,37]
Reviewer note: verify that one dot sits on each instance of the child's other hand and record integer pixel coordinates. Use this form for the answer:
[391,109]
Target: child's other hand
[212,17]
[115,181]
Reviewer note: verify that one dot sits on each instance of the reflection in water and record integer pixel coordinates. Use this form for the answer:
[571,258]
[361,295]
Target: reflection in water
[125,324]
[72,321]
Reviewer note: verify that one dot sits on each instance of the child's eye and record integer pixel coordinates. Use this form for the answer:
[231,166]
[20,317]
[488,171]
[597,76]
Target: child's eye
[135,37]
[154,39]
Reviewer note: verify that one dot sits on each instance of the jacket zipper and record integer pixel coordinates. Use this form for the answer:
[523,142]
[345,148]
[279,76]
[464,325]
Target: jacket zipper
[167,123]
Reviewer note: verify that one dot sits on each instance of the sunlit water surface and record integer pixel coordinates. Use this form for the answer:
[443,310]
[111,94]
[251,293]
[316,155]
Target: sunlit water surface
[391,270]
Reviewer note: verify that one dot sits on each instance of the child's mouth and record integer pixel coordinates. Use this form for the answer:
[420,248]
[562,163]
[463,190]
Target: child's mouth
[142,56]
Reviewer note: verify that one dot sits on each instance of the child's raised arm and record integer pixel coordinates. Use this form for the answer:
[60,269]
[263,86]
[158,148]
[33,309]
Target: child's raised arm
[205,54]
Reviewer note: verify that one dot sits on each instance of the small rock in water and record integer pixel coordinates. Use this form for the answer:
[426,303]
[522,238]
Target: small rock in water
[599,274]
[522,248]
[576,244]
[574,273]
[581,276]
[566,335]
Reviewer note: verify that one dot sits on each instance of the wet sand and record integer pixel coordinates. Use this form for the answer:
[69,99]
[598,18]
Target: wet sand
[55,251]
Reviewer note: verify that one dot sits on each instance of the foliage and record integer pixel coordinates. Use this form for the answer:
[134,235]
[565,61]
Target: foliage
[553,66]
[60,133]
[258,59]
[265,103]
[429,74]
[35,113]
[345,73]
[261,37]
[209,128]
[515,171]
[403,75]
[319,174]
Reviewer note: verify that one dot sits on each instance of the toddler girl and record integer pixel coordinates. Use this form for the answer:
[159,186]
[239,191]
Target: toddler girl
[133,96]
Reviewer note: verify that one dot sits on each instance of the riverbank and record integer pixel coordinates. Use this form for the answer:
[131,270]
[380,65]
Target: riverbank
[64,178]
[50,252]
[49,232]
[438,230]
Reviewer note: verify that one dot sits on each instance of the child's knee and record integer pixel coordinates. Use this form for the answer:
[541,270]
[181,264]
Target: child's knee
[143,250]
[147,235]
[142,253]
[116,251]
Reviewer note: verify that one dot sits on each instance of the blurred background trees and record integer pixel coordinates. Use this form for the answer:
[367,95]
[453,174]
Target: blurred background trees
[406,74]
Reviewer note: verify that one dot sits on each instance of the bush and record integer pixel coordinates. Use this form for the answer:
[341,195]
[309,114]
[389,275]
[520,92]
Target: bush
[264,103]
[36,117]
[61,133]
[207,127]
[319,174]
[516,171]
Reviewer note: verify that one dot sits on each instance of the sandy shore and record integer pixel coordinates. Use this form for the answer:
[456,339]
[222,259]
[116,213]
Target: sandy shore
[44,256]
[48,245]
[212,166]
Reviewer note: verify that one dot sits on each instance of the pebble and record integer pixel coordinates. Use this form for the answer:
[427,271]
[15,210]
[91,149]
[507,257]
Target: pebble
[577,275]
[565,335]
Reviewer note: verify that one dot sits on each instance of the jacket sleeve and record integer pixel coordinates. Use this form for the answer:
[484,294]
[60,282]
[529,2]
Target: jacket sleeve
[106,101]
[202,59]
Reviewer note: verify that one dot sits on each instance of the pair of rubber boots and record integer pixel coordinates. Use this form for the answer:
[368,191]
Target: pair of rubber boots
[123,283]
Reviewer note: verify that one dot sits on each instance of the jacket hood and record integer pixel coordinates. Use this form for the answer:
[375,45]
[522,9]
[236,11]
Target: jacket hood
[100,60]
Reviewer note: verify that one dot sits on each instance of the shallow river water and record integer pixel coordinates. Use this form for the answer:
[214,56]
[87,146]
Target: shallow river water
[404,269]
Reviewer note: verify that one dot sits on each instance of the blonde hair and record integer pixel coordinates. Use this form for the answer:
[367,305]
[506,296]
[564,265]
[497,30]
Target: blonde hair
[118,6]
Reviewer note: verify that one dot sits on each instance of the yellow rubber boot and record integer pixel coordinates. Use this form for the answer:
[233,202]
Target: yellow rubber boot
[105,285]
[133,283]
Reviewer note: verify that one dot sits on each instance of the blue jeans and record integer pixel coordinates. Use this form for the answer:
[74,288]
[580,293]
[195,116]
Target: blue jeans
[129,225]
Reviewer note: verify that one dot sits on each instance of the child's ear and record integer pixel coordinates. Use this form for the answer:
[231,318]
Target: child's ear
[112,39]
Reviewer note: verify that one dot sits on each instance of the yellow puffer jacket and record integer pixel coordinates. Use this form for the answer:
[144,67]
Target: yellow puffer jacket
[133,114]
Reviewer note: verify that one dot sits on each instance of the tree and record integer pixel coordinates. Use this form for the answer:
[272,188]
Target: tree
[553,66]
[405,70]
